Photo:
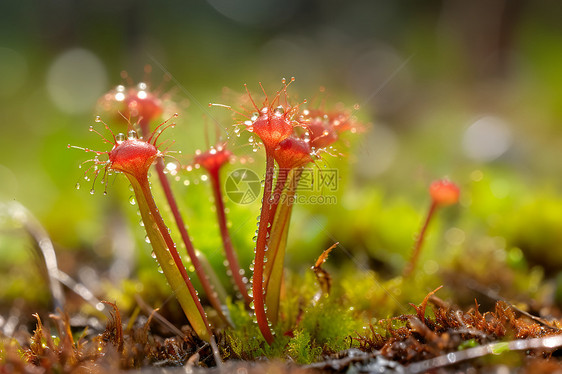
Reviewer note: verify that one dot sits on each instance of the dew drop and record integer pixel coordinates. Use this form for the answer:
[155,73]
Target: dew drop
[153,255]
[147,239]
[141,223]
[132,134]
[279,111]
[98,119]
[120,137]
[132,200]
[77,186]
[92,191]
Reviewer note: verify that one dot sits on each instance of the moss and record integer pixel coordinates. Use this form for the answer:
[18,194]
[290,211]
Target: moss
[301,349]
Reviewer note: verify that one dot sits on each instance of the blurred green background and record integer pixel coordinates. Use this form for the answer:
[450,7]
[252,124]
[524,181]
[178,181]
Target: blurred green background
[468,90]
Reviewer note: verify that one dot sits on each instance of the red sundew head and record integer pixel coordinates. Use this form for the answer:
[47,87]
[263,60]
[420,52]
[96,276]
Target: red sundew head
[274,121]
[133,156]
[444,192]
[130,154]
[321,135]
[292,153]
[132,104]
[324,127]
[213,159]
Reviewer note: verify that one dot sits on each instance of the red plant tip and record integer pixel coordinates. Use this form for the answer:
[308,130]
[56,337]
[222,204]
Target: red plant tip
[274,122]
[324,128]
[444,192]
[130,154]
[133,103]
[320,133]
[133,156]
[292,153]
[213,159]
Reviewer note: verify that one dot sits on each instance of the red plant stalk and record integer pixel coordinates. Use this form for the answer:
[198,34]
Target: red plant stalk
[276,195]
[443,193]
[143,185]
[261,244]
[226,241]
[419,241]
[207,287]
[277,244]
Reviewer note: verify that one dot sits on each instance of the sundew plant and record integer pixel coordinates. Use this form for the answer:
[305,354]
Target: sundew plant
[292,136]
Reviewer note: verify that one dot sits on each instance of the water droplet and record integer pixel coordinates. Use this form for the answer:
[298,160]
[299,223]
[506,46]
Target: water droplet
[77,186]
[98,119]
[120,137]
[132,134]
[153,255]
[147,239]
[279,111]
[132,200]
[141,223]
[92,191]
[254,239]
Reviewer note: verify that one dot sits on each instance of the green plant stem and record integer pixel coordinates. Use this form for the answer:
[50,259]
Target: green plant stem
[419,241]
[261,243]
[169,259]
[277,243]
[207,287]
[279,186]
[231,257]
